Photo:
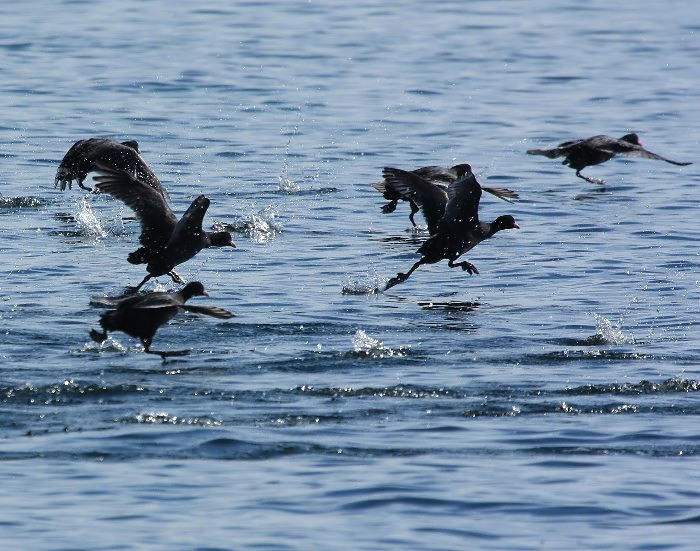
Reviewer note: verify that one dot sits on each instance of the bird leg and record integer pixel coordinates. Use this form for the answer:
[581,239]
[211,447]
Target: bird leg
[82,186]
[401,276]
[176,278]
[133,290]
[162,353]
[389,207]
[414,210]
[98,337]
[591,180]
[466,266]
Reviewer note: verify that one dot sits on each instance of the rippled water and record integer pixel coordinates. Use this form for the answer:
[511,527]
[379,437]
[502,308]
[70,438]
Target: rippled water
[548,402]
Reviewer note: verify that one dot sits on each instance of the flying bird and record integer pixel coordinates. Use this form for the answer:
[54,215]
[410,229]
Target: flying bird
[578,154]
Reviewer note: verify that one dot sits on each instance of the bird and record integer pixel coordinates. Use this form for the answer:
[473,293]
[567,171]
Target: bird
[578,154]
[427,195]
[85,155]
[458,229]
[166,241]
[141,315]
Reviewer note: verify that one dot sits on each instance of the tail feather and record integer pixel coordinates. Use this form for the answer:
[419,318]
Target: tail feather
[502,193]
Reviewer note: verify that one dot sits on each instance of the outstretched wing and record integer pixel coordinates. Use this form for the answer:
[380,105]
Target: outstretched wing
[639,151]
[85,155]
[463,202]
[190,224]
[155,216]
[430,197]
[209,311]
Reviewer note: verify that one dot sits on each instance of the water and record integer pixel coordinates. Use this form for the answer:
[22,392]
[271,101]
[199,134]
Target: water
[548,402]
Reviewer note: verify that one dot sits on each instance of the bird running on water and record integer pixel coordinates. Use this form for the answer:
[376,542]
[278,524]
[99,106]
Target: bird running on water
[458,229]
[141,315]
[166,241]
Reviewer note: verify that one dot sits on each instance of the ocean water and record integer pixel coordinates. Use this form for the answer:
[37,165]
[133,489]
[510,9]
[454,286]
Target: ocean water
[549,402]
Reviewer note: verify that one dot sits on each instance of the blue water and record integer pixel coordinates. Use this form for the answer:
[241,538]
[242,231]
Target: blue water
[549,402]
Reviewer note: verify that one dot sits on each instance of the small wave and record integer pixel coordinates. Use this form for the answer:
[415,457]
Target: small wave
[672,385]
[13,203]
[66,391]
[260,227]
[163,418]
[366,346]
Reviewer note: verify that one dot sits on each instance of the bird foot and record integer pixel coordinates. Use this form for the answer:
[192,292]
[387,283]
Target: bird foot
[395,281]
[130,290]
[389,207]
[98,337]
[176,278]
[469,267]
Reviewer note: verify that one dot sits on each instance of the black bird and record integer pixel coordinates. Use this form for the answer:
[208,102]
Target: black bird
[436,175]
[141,315]
[85,155]
[578,154]
[458,229]
[166,240]
[429,196]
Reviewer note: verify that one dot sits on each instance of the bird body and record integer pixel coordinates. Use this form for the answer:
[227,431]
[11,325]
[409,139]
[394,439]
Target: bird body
[85,156]
[578,154]
[166,241]
[141,315]
[457,229]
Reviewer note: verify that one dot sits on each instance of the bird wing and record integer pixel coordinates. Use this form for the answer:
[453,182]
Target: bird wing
[462,208]
[209,311]
[430,197]
[190,224]
[436,174]
[85,155]
[157,219]
[639,151]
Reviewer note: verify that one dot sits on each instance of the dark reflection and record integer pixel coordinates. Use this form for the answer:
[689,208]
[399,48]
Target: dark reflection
[450,306]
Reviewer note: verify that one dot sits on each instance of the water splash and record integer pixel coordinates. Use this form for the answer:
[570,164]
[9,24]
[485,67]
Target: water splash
[608,332]
[260,227]
[366,346]
[287,185]
[367,285]
[88,223]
